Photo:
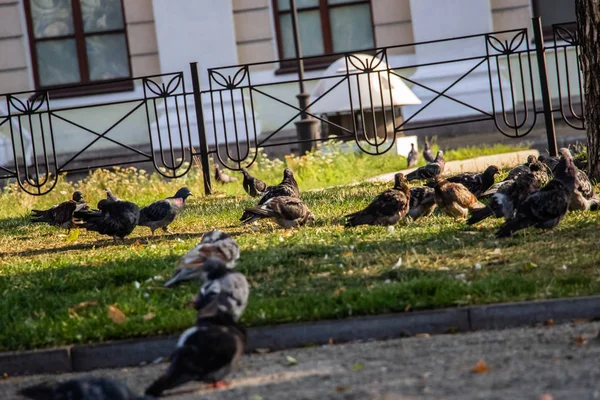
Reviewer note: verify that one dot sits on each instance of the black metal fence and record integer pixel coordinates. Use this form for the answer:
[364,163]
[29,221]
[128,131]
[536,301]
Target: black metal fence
[220,120]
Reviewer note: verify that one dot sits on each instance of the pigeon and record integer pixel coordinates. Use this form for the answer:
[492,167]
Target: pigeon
[412,157]
[214,244]
[87,388]
[114,217]
[454,199]
[546,207]
[253,186]
[477,183]
[287,211]
[388,208]
[162,213]
[508,198]
[205,352]
[551,161]
[520,169]
[532,165]
[430,170]
[427,153]
[222,177]
[61,215]
[287,187]
[224,288]
[422,202]
[583,197]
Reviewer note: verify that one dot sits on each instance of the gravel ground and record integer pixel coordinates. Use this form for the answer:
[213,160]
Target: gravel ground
[544,363]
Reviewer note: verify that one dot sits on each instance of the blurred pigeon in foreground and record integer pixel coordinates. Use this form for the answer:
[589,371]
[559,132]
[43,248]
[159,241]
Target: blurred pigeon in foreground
[430,170]
[61,215]
[214,244]
[287,212]
[422,202]
[222,177]
[387,208]
[412,157]
[162,213]
[114,217]
[427,153]
[224,288]
[454,199]
[205,352]
[88,388]
[253,186]
[546,207]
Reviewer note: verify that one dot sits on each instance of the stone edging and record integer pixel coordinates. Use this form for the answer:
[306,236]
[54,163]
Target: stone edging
[450,320]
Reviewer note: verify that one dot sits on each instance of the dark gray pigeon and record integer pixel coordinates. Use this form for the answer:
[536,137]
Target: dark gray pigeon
[61,215]
[253,186]
[287,188]
[88,388]
[162,213]
[428,153]
[545,208]
[422,202]
[223,288]
[205,352]
[222,177]
[412,157]
[114,217]
[288,212]
[477,183]
[430,170]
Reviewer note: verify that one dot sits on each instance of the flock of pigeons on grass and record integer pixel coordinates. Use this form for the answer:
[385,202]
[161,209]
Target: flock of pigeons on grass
[537,193]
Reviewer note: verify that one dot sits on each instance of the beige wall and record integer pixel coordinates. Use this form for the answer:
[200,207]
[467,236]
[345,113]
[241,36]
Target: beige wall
[392,23]
[13,58]
[254,34]
[141,34]
[511,14]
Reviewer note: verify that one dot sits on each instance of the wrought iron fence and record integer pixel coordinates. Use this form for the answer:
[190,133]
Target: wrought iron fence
[221,120]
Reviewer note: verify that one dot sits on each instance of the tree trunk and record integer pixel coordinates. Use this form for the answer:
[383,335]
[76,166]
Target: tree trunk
[588,33]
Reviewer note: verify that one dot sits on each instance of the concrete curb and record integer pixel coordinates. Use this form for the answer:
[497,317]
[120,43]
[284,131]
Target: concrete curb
[139,351]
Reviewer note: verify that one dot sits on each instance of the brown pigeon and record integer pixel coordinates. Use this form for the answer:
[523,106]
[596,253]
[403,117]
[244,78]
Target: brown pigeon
[61,215]
[430,170]
[422,202]
[387,208]
[454,199]
[222,177]
[477,183]
[287,188]
[253,186]
[286,211]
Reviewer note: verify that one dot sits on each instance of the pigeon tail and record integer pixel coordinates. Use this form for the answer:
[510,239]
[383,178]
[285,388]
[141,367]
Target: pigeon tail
[184,274]
[479,215]
[38,392]
[358,218]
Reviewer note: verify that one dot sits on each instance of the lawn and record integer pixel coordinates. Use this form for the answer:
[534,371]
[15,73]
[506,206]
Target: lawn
[56,291]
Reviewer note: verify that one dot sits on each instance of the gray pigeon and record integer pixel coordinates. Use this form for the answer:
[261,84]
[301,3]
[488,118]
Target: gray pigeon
[222,177]
[430,170]
[287,187]
[288,212]
[224,288]
[253,186]
[88,388]
[422,202]
[427,153]
[214,244]
[412,157]
[162,213]
[583,198]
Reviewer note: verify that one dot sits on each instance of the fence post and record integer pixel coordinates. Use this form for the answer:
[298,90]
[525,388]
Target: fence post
[540,51]
[201,130]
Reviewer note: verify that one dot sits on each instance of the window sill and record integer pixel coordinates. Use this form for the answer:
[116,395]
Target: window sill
[63,92]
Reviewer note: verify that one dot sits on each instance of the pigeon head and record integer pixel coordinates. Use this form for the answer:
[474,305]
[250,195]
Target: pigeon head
[412,146]
[440,155]
[110,195]
[214,236]
[310,217]
[78,196]
[491,170]
[399,180]
[531,159]
[565,153]
[245,172]
[213,268]
[566,171]
[183,193]
[426,145]
[288,177]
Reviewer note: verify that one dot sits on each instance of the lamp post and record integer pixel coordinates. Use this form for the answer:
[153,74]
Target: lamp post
[307,129]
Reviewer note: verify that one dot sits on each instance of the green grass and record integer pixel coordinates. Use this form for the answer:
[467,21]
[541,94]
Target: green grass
[320,271]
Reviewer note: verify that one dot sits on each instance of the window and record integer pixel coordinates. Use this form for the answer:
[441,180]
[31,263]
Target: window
[553,12]
[78,41]
[325,26]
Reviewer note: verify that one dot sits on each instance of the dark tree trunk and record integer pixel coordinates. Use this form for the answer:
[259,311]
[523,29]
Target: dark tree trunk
[588,33]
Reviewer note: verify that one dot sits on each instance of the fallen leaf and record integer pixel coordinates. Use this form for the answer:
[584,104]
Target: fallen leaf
[331,341]
[341,389]
[423,335]
[480,368]
[73,235]
[530,265]
[137,245]
[579,321]
[256,397]
[546,396]
[337,292]
[116,315]
[347,254]
[73,310]
[262,350]
[149,316]
[291,360]
[549,322]
[580,340]
[357,367]
[407,308]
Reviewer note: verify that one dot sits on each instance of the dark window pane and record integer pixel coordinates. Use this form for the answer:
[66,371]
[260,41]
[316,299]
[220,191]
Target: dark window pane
[331,2]
[101,15]
[311,35]
[57,62]
[107,56]
[351,27]
[51,18]
[283,5]
[555,11]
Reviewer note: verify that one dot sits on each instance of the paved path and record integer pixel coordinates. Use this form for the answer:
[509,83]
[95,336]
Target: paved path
[526,363]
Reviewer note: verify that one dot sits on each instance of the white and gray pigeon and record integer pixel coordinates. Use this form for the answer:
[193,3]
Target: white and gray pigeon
[430,170]
[412,157]
[87,388]
[223,288]
[205,352]
[222,177]
[427,152]
[287,211]
[215,244]
[422,202]
[162,213]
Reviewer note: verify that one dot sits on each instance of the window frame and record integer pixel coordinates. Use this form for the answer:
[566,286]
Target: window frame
[85,86]
[319,61]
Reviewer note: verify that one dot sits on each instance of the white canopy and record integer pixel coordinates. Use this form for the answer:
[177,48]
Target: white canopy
[338,101]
